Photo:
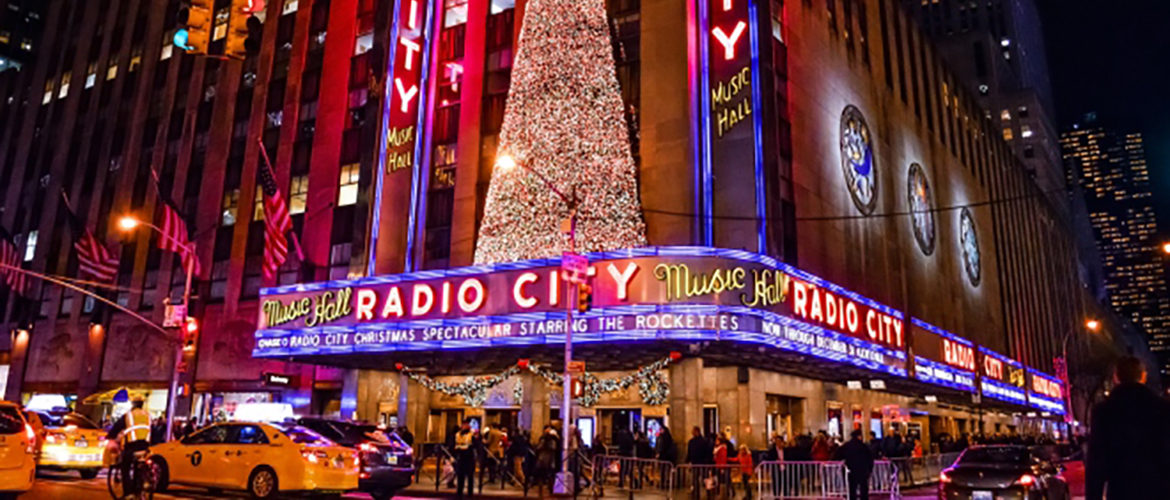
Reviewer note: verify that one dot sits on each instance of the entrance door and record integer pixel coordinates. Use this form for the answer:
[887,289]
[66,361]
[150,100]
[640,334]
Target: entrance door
[616,425]
[502,419]
[443,424]
[785,415]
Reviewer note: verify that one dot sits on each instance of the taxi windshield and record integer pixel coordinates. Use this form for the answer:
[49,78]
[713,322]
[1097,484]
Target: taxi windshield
[76,420]
[301,435]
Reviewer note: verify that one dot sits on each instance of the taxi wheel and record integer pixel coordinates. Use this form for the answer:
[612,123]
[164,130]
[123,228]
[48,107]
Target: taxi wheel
[262,483]
[160,472]
[88,473]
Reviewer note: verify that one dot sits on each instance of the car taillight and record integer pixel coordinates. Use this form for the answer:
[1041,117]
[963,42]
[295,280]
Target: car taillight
[943,477]
[357,461]
[55,437]
[313,456]
[1026,480]
[32,438]
[367,447]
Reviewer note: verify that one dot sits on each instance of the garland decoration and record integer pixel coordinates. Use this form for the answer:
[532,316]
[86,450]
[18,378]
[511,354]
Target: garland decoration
[652,385]
[473,390]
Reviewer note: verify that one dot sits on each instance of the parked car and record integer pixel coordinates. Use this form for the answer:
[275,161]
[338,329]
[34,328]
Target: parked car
[18,449]
[1002,473]
[387,462]
[72,442]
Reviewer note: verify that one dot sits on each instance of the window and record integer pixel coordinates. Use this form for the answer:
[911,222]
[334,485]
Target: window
[90,75]
[298,196]
[290,6]
[5,37]
[455,13]
[348,193]
[26,45]
[210,435]
[1007,133]
[168,49]
[221,22]
[30,246]
[1005,115]
[66,77]
[247,434]
[231,203]
[258,205]
[135,58]
[1022,111]
[499,6]
[112,71]
[1025,131]
[363,43]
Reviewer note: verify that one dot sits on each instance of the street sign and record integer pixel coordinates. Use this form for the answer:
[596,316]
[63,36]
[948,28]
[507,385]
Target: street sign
[574,266]
[576,368]
[175,315]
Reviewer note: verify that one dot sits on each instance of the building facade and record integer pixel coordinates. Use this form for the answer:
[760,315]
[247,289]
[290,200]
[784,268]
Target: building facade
[822,144]
[1111,169]
[20,32]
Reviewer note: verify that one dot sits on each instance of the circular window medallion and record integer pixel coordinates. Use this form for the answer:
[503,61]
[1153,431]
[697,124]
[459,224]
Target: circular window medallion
[857,162]
[921,200]
[969,242]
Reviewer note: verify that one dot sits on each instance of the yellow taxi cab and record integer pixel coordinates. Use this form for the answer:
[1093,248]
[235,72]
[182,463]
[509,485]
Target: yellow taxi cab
[260,458]
[72,442]
[18,448]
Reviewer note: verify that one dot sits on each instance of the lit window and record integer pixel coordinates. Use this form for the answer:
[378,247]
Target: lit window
[30,246]
[1005,115]
[66,77]
[135,58]
[290,6]
[499,6]
[221,23]
[1007,133]
[1025,131]
[455,13]
[5,37]
[363,43]
[298,197]
[90,75]
[1022,111]
[26,45]
[231,203]
[112,72]
[48,97]
[168,49]
[348,193]
[258,205]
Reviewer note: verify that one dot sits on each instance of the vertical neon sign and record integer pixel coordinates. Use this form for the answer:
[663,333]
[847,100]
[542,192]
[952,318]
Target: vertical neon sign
[731,124]
[401,145]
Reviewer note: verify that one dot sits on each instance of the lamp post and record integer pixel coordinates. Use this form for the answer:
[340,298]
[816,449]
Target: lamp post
[1092,326]
[507,163]
[128,223]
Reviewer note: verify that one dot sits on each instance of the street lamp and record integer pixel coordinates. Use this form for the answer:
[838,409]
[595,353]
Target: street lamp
[506,163]
[1093,326]
[129,223]
[1166,248]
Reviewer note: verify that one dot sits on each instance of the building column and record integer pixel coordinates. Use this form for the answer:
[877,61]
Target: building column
[349,393]
[534,404]
[413,405]
[18,361]
[686,400]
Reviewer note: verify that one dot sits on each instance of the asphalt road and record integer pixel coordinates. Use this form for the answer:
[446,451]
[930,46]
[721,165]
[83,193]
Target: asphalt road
[61,485]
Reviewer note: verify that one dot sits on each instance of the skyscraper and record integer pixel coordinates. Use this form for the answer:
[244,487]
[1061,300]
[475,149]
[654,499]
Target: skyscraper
[1111,169]
[20,30]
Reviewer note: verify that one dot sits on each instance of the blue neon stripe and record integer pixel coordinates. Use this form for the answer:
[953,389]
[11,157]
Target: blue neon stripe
[940,332]
[758,136]
[706,178]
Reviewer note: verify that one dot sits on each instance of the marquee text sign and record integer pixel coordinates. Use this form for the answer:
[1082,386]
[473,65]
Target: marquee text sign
[1045,392]
[1001,377]
[941,357]
[497,302]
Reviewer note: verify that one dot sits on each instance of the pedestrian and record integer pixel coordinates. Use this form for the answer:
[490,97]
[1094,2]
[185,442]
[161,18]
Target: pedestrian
[1129,440]
[464,459]
[642,451]
[722,470]
[775,453]
[699,452]
[858,460]
[747,467]
[820,448]
[547,457]
[667,453]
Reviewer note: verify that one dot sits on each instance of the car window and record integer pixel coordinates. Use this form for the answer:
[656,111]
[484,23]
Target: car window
[10,420]
[323,428]
[302,435]
[210,435]
[247,434]
[996,455]
[78,421]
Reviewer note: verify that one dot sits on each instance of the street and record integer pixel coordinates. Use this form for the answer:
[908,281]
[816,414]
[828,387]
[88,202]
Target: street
[62,485]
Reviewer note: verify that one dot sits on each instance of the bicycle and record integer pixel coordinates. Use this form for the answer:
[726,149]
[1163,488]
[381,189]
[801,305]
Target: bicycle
[141,471]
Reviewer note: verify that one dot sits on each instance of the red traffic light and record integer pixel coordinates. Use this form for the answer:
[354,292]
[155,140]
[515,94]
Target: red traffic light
[192,326]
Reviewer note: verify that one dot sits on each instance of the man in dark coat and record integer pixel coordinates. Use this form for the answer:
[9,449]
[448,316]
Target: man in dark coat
[1129,440]
[859,460]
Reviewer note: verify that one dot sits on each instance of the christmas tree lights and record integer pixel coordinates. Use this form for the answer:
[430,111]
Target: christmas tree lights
[564,130]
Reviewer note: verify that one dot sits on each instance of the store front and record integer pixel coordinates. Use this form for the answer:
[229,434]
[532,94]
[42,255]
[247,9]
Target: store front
[677,337]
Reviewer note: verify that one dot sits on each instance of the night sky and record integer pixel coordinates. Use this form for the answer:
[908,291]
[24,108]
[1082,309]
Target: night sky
[1113,57]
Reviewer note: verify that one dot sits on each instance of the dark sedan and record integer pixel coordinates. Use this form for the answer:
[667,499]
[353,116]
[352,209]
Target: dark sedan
[387,462]
[1002,473]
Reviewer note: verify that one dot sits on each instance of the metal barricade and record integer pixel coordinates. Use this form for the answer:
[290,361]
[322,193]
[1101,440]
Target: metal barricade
[801,480]
[628,475]
[708,481]
[884,480]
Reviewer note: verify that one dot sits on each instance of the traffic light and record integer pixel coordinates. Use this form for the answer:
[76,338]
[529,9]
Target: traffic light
[584,297]
[577,388]
[190,333]
[194,31]
[244,30]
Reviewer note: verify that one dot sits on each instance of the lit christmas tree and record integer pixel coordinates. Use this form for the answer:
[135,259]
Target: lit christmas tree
[564,122]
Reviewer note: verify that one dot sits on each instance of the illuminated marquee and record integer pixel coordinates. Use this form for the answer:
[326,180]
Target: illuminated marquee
[1001,377]
[941,357]
[645,293]
[1045,392]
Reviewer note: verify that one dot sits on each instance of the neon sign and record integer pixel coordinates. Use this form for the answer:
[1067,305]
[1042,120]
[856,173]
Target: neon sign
[1045,392]
[1001,377]
[941,357]
[400,148]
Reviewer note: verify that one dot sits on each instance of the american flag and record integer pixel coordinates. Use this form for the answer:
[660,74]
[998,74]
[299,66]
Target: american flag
[10,258]
[175,237]
[93,258]
[276,224]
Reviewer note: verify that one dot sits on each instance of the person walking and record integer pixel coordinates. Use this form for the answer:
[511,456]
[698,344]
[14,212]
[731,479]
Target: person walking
[699,452]
[1129,440]
[858,460]
[667,453]
[747,467]
[548,454]
[465,459]
[775,453]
